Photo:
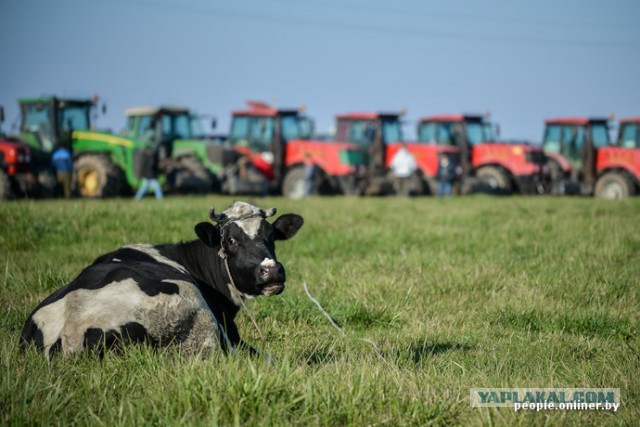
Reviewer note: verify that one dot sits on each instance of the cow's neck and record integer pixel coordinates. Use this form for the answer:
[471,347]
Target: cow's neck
[205,264]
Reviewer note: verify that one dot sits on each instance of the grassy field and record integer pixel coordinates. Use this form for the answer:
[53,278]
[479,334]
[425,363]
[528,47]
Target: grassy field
[457,293]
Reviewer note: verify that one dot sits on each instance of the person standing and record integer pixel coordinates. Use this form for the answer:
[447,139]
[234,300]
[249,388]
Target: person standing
[150,165]
[62,163]
[403,166]
[310,171]
[446,175]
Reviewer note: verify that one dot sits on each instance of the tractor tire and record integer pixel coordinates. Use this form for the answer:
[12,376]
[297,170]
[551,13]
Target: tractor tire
[409,187]
[188,175]
[5,186]
[495,180]
[614,186]
[349,185]
[97,177]
[293,185]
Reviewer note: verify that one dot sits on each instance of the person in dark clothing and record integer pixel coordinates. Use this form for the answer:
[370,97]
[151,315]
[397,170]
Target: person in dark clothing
[446,175]
[310,170]
[149,174]
[150,165]
[62,164]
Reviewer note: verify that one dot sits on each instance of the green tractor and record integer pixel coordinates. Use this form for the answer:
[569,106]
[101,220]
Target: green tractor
[107,165]
[47,122]
[193,162]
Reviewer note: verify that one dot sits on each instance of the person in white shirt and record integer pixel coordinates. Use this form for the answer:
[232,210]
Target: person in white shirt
[403,165]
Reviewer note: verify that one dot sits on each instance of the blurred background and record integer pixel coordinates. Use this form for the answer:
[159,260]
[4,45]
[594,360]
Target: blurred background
[522,62]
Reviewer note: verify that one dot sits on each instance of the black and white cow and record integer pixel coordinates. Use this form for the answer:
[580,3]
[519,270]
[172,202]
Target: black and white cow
[184,294]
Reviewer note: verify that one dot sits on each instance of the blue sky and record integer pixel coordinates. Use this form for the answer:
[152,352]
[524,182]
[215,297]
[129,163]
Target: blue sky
[522,61]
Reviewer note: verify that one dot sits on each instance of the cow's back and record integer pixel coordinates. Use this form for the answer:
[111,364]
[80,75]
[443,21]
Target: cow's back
[131,295]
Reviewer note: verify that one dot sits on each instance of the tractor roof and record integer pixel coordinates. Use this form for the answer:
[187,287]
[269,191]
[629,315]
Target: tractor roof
[452,118]
[635,119]
[149,111]
[362,115]
[258,108]
[47,99]
[578,121]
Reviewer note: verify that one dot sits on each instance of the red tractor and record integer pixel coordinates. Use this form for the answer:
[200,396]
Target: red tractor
[15,159]
[583,161]
[487,165]
[379,137]
[276,142]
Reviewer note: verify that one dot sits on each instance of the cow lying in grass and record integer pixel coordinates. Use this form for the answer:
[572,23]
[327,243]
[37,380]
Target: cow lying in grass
[184,294]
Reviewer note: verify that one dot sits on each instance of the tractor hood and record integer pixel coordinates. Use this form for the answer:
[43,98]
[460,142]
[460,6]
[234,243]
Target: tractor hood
[335,158]
[618,158]
[519,159]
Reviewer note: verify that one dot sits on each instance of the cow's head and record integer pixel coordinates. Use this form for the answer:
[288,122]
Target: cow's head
[247,241]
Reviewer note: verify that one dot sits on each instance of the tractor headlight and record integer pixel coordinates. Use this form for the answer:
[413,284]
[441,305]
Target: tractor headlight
[267,156]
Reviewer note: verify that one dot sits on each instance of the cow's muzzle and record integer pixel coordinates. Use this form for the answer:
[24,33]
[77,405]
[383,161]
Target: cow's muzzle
[272,278]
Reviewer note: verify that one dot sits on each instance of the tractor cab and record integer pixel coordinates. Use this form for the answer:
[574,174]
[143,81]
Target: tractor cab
[457,130]
[165,123]
[629,133]
[571,144]
[49,121]
[372,133]
[191,161]
[261,133]
[162,125]
[487,165]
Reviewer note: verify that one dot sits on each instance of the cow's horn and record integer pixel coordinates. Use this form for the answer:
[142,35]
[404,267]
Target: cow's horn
[214,216]
[270,212]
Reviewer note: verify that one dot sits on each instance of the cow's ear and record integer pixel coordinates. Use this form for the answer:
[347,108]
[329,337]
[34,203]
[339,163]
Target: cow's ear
[286,226]
[208,233]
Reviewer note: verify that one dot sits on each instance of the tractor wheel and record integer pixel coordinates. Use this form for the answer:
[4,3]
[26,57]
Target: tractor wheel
[349,185]
[408,187]
[5,186]
[294,184]
[614,185]
[97,177]
[188,175]
[496,180]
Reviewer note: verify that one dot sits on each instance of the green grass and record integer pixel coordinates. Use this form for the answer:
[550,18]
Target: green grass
[457,293]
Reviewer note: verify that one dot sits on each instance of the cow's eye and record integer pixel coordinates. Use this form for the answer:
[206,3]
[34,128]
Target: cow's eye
[233,242]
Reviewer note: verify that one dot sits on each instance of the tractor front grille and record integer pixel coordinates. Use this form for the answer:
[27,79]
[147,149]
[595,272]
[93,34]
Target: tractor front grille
[536,157]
